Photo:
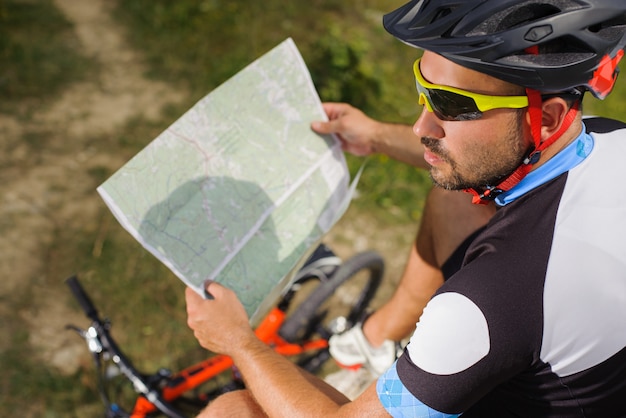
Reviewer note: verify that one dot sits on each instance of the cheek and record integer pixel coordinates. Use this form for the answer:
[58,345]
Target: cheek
[470,129]
[474,145]
[469,138]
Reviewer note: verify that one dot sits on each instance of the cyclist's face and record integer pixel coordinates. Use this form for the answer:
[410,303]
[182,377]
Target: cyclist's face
[475,153]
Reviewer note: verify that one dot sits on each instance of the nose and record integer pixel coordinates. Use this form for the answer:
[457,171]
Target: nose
[428,125]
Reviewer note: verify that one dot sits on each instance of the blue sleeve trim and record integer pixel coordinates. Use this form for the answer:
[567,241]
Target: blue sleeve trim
[399,402]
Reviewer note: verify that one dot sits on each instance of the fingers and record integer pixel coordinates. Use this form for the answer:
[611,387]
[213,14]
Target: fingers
[330,127]
[217,323]
[214,290]
[191,296]
[196,313]
[334,111]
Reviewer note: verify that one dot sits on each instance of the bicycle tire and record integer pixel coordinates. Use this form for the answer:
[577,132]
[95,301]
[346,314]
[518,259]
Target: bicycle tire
[306,319]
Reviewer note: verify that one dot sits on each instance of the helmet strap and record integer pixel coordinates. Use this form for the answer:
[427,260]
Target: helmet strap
[534,153]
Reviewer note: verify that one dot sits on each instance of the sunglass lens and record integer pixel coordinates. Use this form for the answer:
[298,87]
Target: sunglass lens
[451,106]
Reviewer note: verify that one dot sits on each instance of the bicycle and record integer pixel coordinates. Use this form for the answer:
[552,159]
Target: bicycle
[299,326]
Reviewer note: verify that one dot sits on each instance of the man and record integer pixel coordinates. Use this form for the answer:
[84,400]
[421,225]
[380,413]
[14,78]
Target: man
[447,226]
[532,324]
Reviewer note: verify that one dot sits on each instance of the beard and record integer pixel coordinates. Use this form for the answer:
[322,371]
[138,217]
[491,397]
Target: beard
[482,166]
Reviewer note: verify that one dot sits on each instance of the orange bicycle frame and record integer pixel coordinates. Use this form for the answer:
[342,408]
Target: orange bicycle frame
[195,375]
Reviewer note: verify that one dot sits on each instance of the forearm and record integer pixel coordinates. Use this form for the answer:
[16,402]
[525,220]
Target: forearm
[281,388]
[398,141]
[277,385]
[396,319]
[361,135]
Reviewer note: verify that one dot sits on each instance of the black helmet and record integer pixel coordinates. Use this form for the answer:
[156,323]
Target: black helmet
[546,45]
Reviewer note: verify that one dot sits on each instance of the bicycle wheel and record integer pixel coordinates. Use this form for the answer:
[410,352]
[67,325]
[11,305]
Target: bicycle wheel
[343,298]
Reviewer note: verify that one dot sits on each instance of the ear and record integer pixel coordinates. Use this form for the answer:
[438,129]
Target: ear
[552,116]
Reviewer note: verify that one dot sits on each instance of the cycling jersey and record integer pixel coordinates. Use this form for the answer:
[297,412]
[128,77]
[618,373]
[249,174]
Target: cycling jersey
[532,325]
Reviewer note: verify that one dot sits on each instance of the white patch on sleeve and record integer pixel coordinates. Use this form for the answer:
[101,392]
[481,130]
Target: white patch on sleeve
[451,336]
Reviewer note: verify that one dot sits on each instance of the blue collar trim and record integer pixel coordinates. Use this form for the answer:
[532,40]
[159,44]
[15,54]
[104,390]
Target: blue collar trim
[572,155]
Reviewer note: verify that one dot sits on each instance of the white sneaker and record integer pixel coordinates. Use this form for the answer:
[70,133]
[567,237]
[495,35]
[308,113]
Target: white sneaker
[350,382]
[352,350]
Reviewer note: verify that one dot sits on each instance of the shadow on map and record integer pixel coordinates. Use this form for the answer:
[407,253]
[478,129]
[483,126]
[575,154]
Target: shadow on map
[204,220]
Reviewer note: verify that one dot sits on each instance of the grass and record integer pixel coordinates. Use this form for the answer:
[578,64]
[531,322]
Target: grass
[38,50]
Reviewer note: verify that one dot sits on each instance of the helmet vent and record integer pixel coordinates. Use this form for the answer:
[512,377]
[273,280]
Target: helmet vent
[522,13]
[612,34]
[442,13]
[556,53]
[435,16]
[526,14]
[612,30]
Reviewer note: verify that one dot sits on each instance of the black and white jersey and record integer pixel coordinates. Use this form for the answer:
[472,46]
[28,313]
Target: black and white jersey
[534,322]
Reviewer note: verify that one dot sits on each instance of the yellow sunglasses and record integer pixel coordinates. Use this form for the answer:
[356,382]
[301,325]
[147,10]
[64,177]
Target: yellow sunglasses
[452,104]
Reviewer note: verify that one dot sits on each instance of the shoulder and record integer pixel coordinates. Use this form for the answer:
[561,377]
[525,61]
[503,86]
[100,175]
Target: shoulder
[450,320]
[462,348]
[604,162]
[600,125]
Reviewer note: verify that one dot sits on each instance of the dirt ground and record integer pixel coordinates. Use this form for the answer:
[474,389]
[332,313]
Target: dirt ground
[43,193]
